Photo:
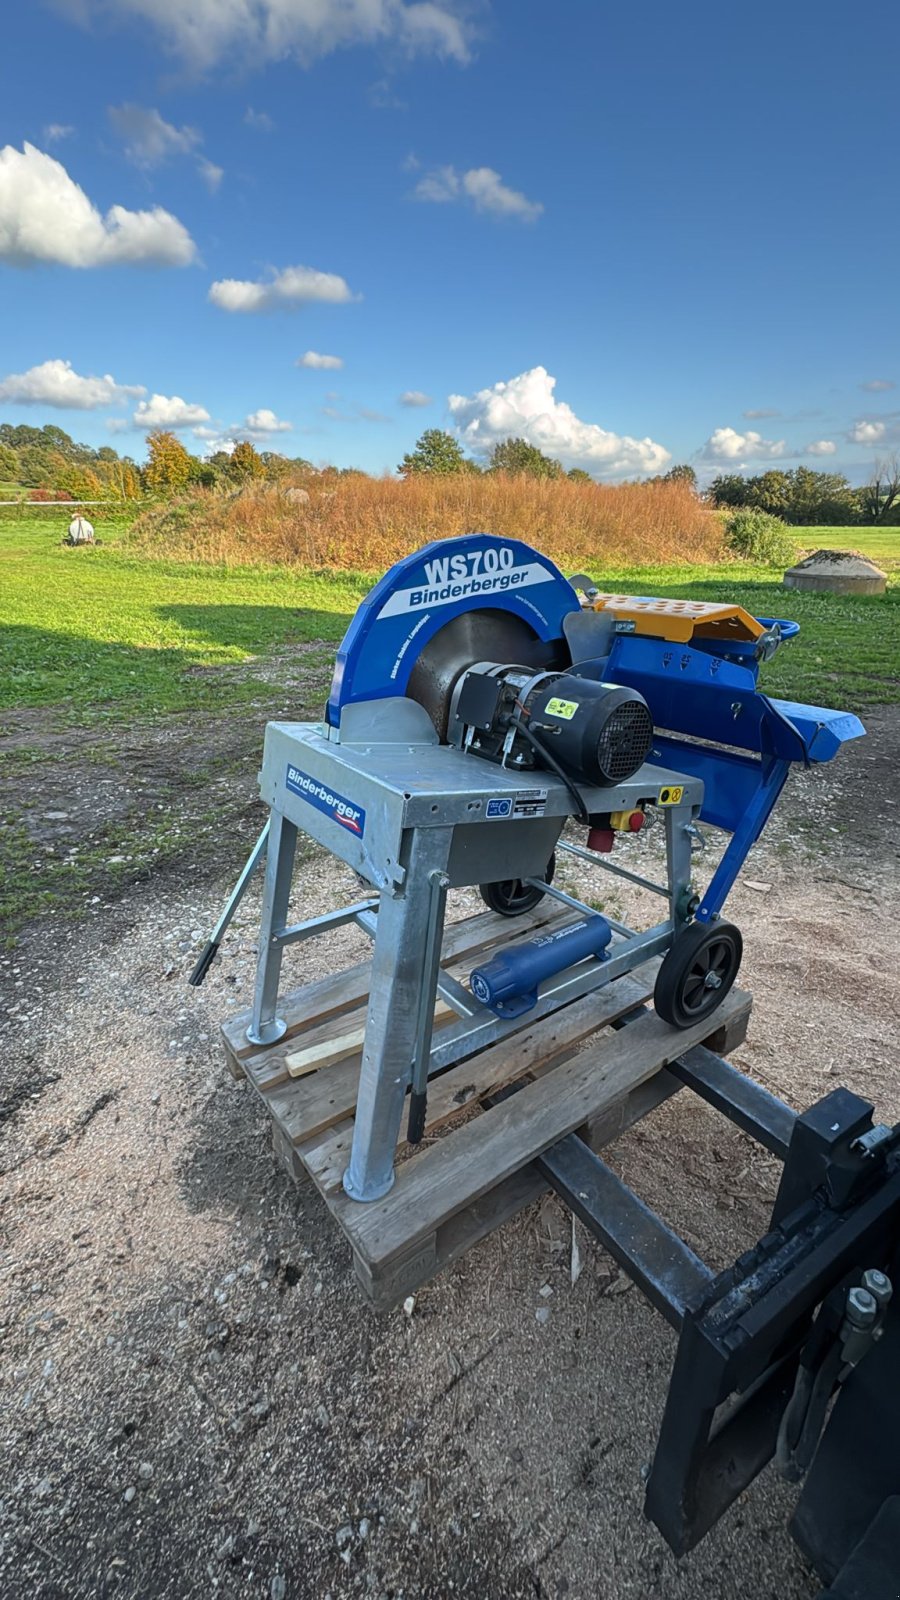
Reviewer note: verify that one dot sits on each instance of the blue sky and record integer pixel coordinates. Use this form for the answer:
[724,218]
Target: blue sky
[666,233]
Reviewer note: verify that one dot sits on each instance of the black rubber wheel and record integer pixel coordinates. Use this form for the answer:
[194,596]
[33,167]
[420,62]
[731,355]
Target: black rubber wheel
[698,972]
[511,897]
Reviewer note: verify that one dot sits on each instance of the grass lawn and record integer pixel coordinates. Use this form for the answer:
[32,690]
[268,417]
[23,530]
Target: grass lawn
[102,635]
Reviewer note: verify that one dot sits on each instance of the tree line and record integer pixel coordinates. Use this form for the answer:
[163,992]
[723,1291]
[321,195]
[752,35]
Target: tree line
[47,461]
[806,498]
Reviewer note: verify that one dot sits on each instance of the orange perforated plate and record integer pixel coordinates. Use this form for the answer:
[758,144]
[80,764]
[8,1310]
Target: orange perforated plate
[680,620]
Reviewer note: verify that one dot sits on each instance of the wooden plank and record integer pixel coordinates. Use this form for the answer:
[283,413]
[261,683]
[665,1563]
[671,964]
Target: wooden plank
[312,1003]
[402,1275]
[456,1171]
[539,1046]
[267,1067]
[325,1045]
[326,1156]
[307,1110]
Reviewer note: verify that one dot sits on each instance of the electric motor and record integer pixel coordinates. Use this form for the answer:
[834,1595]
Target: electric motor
[597,733]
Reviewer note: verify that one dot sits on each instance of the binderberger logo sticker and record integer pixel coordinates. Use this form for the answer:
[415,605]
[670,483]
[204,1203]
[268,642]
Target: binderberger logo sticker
[475,572]
[335,806]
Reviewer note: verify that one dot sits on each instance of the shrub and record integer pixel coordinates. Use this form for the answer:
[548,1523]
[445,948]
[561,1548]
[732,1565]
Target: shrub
[757,536]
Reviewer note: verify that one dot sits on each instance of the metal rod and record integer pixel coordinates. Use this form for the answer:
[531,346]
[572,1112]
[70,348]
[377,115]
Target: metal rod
[205,960]
[745,1103]
[460,1039]
[577,905]
[451,990]
[298,931]
[266,1027]
[665,1269]
[620,872]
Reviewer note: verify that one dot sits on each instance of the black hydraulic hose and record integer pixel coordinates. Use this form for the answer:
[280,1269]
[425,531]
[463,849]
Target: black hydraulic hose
[538,745]
[804,1416]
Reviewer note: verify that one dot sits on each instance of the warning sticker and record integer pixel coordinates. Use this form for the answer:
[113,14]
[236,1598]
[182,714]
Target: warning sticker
[561,708]
[671,797]
[530,803]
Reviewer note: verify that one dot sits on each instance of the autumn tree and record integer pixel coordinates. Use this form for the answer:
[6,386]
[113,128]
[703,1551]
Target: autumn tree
[168,463]
[9,464]
[81,483]
[246,462]
[129,481]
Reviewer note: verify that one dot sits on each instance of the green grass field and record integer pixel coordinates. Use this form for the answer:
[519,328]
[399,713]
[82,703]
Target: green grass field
[101,635]
[106,640]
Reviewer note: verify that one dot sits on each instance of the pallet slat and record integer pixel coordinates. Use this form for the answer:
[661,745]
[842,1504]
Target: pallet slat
[314,1002]
[567,1075]
[457,1171]
[541,1045]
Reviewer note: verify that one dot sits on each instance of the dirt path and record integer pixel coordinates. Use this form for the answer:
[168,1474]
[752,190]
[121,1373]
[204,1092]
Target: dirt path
[194,1399]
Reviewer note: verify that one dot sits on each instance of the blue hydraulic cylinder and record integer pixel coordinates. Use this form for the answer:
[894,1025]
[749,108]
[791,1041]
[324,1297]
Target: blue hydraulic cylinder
[508,984]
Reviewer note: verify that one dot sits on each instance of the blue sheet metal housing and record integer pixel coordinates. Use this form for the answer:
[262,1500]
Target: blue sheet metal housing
[705,692]
[428,589]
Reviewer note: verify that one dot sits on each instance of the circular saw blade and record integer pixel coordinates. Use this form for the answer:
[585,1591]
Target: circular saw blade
[484,634]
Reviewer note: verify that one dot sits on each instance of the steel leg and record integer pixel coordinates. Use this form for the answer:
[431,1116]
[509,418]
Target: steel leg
[678,861]
[265,1027]
[398,973]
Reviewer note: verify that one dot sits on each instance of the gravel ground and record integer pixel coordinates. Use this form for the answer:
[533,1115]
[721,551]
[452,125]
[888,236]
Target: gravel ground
[196,1401]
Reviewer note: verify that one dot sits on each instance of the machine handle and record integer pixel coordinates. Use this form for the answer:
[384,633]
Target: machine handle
[204,963]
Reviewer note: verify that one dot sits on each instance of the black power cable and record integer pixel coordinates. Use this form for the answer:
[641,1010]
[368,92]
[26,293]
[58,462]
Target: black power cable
[551,761]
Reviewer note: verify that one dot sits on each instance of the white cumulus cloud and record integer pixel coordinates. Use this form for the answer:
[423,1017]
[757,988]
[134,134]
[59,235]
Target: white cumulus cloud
[866,432]
[55,383]
[525,407]
[415,397]
[726,444]
[168,411]
[292,286]
[45,216]
[319,362]
[263,422]
[820,447]
[482,186]
[204,32]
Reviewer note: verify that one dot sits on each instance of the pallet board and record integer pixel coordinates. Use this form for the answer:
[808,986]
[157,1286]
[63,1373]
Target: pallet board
[573,1070]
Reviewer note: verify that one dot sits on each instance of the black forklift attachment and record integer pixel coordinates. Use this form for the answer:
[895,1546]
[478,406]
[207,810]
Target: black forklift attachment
[764,1345]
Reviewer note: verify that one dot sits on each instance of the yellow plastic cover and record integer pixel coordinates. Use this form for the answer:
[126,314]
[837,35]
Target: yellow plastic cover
[680,620]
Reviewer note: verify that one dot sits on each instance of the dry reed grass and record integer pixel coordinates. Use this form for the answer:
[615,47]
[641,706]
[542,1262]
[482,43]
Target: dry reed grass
[364,524]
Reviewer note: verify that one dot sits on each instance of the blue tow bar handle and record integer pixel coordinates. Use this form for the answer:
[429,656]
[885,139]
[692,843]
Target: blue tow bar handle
[508,984]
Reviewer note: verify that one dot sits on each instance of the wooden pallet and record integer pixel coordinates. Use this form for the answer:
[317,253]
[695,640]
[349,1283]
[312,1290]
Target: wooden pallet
[476,1166]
